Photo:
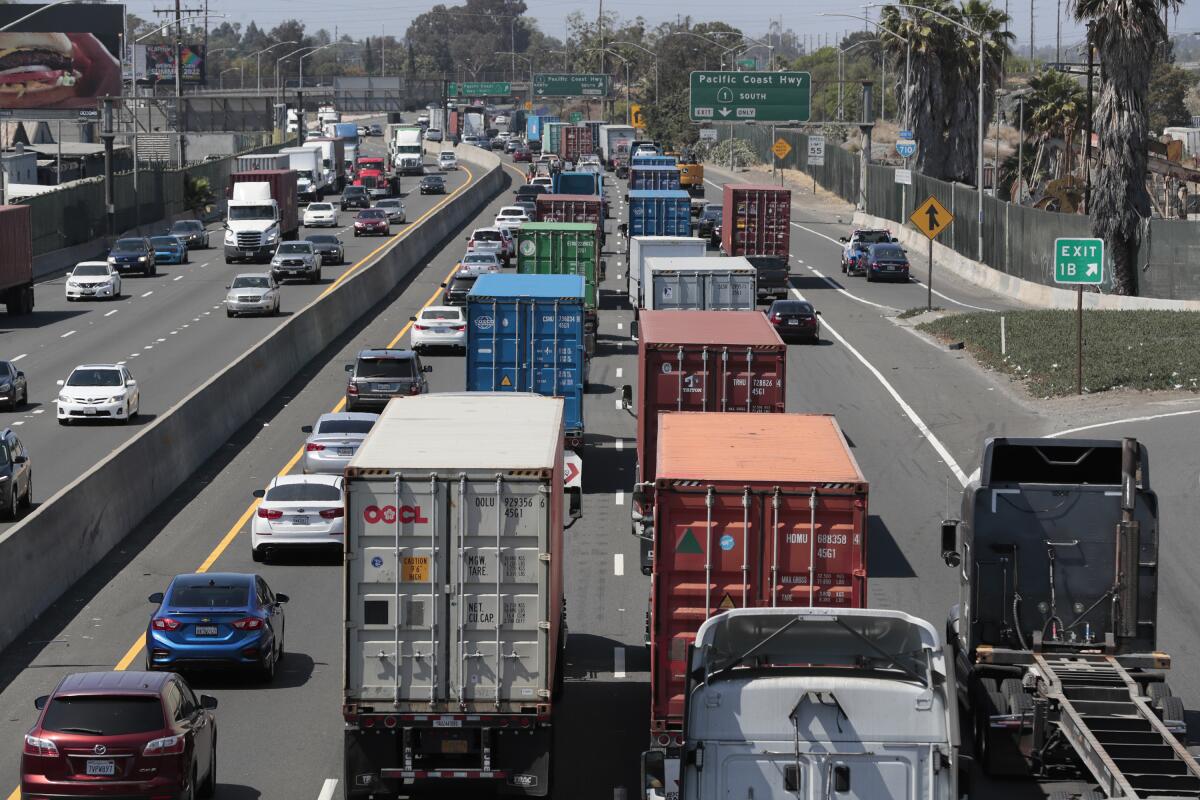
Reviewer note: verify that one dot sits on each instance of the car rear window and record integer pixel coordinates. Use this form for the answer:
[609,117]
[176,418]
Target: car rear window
[793,307]
[164,241]
[487,236]
[320,207]
[207,595]
[441,313]
[104,716]
[887,252]
[874,237]
[346,426]
[129,244]
[294,492]
[384,368]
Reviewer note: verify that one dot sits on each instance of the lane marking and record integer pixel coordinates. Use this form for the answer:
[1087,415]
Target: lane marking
[619,497]
[618,563]
[1125,421]
[68,333]
[840,290]
[110,313]
[618,662]
[18,358]
[120,362]
[619,371]
[177,278]
[904,406]
[147,294]
[620,443]
[620,326]
[328,789]
[617,403]
[160,340]
[18,422]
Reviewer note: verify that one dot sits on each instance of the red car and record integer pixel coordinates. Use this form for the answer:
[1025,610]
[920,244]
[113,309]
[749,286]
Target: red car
[522,154]
[121,734]
[372,221]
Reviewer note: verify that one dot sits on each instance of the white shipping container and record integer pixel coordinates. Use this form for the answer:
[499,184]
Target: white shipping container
[453,569]
[643,247]
[259,161]
[700,284]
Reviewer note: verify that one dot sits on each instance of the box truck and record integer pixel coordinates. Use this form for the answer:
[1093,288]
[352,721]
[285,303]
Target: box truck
[16,269]
[306,162]
[614,146]
[333,161]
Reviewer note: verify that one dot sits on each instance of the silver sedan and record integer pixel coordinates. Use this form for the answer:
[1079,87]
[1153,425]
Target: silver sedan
[334,440]
[252,293]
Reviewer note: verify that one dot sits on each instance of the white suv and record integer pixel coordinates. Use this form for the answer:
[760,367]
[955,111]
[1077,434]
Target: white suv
[447,160]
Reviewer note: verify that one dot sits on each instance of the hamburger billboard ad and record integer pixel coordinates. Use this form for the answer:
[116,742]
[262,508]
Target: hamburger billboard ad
[61,58]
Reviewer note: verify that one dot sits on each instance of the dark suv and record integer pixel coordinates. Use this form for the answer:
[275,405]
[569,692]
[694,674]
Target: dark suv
[17,475]
[121,734]
[133,255]
[355,197]
[378,375]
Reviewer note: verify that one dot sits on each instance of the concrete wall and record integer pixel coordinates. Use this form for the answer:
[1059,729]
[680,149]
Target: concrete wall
[43,555]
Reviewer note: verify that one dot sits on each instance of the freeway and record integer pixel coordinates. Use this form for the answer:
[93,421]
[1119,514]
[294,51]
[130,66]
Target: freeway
[171,331]
[915,414]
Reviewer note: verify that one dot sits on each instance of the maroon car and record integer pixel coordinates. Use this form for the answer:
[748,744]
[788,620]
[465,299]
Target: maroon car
[372,222]
[121,735]
[522,154]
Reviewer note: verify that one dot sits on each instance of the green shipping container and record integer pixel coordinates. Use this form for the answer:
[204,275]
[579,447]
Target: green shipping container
[560,248]
[552,132]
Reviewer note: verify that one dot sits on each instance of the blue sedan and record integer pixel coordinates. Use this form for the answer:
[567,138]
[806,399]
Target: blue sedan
[169,249]
[216,620]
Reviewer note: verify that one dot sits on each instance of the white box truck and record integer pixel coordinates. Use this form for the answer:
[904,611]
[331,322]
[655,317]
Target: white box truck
[312,180]
[406,152]
[814,703]
[643,247]
[454,616]
[699,284]
[614,145]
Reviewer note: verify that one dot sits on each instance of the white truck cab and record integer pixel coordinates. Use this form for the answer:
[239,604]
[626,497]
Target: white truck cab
[252,229]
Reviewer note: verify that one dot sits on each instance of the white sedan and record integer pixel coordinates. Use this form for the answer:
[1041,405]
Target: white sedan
[92,279]
[320,215]
[98,391]
[447,160]
[298,511]
[511,217]
[439,326]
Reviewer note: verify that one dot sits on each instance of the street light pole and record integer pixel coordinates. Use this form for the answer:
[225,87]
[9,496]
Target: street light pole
[258,69]
[653,55]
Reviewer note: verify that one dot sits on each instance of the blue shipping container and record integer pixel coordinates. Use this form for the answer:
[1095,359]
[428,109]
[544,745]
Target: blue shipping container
[534,124]
[653,177]
[577,183]
[346,131]
[525,334]
[660,213]
[654,161]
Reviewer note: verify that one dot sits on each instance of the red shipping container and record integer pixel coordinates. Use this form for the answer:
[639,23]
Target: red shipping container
[569,208]
[756,221]
[16,266]
[283,191]
[736,526]
[574,142]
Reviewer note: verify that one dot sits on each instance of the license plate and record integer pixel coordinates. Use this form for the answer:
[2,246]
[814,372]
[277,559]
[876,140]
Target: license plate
[447,723]
[386,387]
[97,766]
[889,267]
[793,322]
[345,451]
[87,291]
[89,411]
[299,520]
[206,630]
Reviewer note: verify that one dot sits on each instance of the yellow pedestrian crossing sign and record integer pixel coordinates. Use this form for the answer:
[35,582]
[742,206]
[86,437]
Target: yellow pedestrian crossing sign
[781,148]
[931,217]
[505,381]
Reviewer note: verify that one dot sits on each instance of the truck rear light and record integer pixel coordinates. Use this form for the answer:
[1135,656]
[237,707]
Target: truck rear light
[414,389]
[368,722]
[352,390]
[663,740]
[333,513]
[248,624]
[269,513]
[166,746]
[37,746]
[389,721]
[313,447]
[164,624]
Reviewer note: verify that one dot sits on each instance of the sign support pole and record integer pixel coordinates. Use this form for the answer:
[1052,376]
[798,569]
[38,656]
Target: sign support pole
[1079,339]
[929,288]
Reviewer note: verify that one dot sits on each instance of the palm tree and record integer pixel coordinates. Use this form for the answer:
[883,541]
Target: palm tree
[1126,35]
[1055,109]
[943,91]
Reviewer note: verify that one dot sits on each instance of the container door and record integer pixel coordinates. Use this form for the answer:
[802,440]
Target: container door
[500,585]
[499,349]
[396,601]
[822,548]
[677,291]
[747,380]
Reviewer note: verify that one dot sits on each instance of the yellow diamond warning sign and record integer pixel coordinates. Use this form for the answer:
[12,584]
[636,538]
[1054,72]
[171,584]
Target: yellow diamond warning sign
[505,381]
[931,217]
[726,603]
[781,148]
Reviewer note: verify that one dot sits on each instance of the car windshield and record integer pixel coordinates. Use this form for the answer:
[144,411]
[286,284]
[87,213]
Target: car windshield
[432,179]
[187,226]
[127,245]
[251,282]
[164,241]
[295,247]
[95,377]
[299,492]
[97,715]
[320,207]
[207,594]
[446,156]
[873,237]
[345,426]
[888,251]
[90,271]
[792,307]
[388,204]
[371,214]
[441,313]
[323,239]
[251,212]
[384,368]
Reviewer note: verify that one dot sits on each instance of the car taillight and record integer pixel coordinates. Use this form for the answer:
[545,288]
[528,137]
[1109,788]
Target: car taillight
[248,624]
[333,513]
[874,265]
[312,447]
[164,624]
[776,318]
[37,746]
[459,327]
[352,390]
[166,746]
[470,243]
[414,388]
[420,327]
[269,513]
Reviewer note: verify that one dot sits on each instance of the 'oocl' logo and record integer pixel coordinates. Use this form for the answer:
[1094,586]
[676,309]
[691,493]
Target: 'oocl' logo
[388,515]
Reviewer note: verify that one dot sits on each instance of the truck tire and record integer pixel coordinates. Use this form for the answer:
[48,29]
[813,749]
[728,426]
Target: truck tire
[1157,690]
[1171,710]
[19,300]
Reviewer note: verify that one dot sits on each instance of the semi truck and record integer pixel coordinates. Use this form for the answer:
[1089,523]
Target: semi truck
[575,142]
[473,123]
[756,222]
[614,147]
[731,361]
[565,248]
[698,283]
[1055,634]
[815,703]
[642,248]
[262,211]
[454,619]
[306,162]
[333,161]
[406,150]
[16,267]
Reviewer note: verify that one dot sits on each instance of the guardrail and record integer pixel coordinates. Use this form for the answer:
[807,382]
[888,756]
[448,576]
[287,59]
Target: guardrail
[46,553]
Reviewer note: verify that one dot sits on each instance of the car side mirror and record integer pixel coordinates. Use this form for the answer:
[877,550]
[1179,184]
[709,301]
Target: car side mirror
[281,598]
[818,313]
[227,286]
[624,229]
[157,597]
[894,239]
[306,429]
[843,239]
[60,383]
[131,383]
[626,397]
[20,374]
[950,552]
[260,493]
[414,319]
[20,459]
[427,368]
[350,367]
[654,773]
[207,701]
[40,703]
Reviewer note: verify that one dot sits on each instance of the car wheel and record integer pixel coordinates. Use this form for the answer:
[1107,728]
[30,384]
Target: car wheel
[28,501]
[209,787]
[228,260]
[12,404]
[316,278]
[267,670]
[10,512]
[25,396]
[137,409]
[128,414]
[229,313]
[63,421]
[188,792]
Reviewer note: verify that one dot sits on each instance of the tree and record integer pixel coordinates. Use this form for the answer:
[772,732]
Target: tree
[1126,35]
[1169,87]
[1056,108]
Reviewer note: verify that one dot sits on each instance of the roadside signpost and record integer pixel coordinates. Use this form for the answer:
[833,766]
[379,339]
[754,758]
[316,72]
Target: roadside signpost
[906,148]
[1079,263]
[576,117]
[931,218]
[708,134]
[750,96]
[816,156]
[569,85]
[748,63]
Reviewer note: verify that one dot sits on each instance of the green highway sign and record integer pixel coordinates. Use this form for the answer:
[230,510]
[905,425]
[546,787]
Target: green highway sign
[747,63]
[479,89]
[570,85]
[1079,261]
[576,117]
[750,96]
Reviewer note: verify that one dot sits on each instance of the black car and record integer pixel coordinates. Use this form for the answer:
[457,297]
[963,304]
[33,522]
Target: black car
[379,374]
[529,192]
[14,389]
[708,225]
[133,255]
[329,247]
[497,144]
[355,197]
[458,288]
[795,320]
[191,231]
[18,476]
[376,129]
[433,184]
[887,262]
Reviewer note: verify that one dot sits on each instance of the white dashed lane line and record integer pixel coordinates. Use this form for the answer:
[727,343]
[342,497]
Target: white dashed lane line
[110,313]
[178,278]
[68,333]
[18,358]
[147,294]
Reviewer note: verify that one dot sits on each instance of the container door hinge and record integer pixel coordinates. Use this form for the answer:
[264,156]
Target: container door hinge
[544,557]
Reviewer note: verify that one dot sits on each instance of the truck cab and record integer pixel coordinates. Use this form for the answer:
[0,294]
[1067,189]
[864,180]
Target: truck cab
[814,703]
[252,229]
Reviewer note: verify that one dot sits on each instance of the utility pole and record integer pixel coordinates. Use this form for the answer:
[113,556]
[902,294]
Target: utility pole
[1087,142]
[603,71]
[1058,31]
[865,125]
[178,83]
[1031,34]
[107,135]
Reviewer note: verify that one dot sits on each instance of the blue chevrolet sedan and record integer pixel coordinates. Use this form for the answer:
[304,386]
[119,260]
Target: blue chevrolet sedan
[169,249]
[214,620]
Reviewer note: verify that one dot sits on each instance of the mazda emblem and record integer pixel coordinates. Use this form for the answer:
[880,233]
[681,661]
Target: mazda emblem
[99,749]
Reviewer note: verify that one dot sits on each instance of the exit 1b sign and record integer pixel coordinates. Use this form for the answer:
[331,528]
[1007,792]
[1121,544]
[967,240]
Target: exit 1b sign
[1079,261]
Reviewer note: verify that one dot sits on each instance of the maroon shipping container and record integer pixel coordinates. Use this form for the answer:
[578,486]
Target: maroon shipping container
[574,142]
[756,221]
[751,511]
[453,124]
[283,191]
[16,261]
[571,208]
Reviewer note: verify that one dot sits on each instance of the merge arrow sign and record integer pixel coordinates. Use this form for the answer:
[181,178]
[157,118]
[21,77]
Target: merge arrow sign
[931,213]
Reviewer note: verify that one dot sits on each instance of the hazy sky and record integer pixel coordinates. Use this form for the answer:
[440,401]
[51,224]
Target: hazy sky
[369,17]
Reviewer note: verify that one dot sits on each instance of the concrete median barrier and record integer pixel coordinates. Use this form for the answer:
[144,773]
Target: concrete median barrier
[43,555]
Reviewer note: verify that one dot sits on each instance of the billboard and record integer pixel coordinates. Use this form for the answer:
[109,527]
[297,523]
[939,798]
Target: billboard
[62,57]
[156,62]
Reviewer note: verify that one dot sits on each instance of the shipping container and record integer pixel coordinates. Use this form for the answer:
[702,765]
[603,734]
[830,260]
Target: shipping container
[333,160]
[750,511]
[653,161]
[552,136]
[660,213]
[593,126]
[257,161]
[574,142]
[452,125]
[535,127]
[453,594]
[756,222]
[657,178]
[562,248]
[525,333]
[644,247]
[699,284]
[579,183]
[16,259]
[572,208]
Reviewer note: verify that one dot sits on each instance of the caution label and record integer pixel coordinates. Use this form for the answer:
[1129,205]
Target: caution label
[414,568]
[726,603]
[505,381]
